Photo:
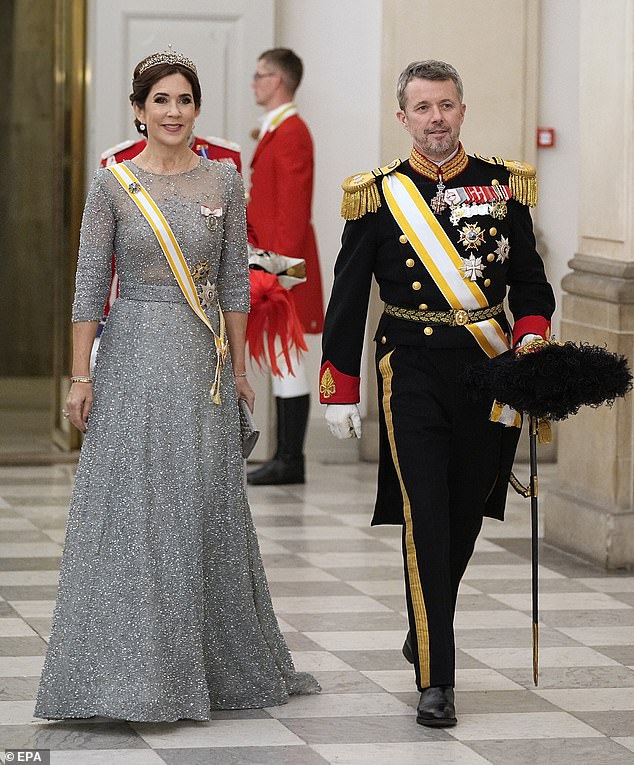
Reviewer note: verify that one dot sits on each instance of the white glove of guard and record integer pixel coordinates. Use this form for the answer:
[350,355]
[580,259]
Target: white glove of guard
[344,420]
[528,339]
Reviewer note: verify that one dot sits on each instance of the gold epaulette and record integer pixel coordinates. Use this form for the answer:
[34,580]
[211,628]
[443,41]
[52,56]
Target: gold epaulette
[522,180]
[360,194]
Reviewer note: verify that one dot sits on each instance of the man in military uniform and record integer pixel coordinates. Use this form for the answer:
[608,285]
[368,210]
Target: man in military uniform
[444,234]
[279,215]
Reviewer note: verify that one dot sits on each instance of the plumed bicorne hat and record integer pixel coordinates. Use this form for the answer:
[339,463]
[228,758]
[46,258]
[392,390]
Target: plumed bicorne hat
[552,380]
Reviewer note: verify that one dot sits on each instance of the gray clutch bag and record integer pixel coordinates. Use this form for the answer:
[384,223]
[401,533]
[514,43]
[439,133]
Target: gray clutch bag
[248,429]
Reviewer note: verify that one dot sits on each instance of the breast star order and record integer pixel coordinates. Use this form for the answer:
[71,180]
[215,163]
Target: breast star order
[503,249]
[471,235]
[207,294]
[472,267]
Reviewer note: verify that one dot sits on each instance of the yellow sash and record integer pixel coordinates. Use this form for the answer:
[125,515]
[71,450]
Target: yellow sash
[175,258]
[441,259]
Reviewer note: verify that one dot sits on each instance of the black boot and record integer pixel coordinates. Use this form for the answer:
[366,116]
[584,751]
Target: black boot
[287,466]
[436,707]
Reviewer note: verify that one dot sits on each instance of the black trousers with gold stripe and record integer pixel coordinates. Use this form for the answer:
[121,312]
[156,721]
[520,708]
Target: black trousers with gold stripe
[445,454]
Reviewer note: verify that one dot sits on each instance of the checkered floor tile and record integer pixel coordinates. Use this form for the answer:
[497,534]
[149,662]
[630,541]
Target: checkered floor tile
[338,591]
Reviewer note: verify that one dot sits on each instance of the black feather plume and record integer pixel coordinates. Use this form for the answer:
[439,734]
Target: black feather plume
[554,380]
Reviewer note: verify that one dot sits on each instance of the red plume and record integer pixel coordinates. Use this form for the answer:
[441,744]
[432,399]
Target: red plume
[272,315]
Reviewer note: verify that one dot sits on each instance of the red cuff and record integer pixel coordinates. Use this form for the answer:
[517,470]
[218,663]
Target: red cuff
[531,325]
[335,387]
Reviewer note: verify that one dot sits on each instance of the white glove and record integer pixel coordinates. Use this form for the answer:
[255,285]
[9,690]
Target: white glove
[344,420]
[528,339]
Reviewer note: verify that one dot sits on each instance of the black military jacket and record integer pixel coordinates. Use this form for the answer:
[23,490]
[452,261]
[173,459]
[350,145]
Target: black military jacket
[374,245]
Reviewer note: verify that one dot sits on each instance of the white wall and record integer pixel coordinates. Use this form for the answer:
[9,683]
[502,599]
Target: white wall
[558,168]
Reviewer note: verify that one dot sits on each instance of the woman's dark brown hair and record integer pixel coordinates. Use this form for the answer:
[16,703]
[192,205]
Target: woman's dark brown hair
[143,83]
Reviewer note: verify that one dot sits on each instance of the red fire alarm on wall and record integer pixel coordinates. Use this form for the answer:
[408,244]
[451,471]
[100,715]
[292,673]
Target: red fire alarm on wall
[545,138]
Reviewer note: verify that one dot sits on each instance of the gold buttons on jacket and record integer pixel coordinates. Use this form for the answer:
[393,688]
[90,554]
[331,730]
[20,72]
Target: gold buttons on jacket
[495,182]
[410,263]
[416,285]
[487,282]
[491,257]
[423,307]
[493,231]
[402,239]
[428,331]
[383,340]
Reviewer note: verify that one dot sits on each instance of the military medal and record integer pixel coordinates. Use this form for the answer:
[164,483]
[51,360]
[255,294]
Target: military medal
[498,210]
[471,268]
[503,249]
[438,203]
[211,216]
[471,236]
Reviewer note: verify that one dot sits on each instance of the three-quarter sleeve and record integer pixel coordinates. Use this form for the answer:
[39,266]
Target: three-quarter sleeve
[96,245]
[233,272]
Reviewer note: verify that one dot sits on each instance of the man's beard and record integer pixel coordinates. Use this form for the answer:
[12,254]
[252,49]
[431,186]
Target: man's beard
[439,146]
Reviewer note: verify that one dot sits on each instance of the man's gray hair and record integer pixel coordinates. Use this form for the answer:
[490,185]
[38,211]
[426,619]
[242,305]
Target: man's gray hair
[426,70]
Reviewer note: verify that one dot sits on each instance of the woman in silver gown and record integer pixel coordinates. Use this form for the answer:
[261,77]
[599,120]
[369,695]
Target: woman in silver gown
[163,610]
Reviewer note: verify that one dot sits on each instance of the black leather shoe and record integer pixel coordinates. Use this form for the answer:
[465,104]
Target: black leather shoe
[278,471]
[408,653]
[436,707]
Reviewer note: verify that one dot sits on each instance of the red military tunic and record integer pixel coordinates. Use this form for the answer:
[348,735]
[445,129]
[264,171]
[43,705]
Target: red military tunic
[280,208]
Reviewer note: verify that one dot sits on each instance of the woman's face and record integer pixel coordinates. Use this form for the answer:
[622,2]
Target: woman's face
[169,111]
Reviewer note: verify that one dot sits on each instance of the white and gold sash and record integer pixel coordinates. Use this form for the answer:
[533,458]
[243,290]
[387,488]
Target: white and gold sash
[441,259]
[443,262]
[175,258]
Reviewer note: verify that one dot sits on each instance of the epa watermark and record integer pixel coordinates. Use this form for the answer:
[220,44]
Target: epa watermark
[39,756]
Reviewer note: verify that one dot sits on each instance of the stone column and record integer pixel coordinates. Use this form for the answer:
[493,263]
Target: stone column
[591,510]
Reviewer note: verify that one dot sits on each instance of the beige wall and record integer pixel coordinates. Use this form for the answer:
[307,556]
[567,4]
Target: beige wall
[494,46]
[591,509]
[606,129]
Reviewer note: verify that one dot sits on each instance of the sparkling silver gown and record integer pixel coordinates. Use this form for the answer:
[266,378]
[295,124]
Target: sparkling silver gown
[163,610]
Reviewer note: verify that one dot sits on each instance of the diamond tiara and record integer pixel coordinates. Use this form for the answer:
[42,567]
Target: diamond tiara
[167,57]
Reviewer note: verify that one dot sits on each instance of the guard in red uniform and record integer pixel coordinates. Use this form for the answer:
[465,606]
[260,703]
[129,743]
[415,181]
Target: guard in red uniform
[446,235]
[279,215]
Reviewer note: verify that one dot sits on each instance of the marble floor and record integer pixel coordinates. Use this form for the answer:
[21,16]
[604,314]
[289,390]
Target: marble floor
[337,587]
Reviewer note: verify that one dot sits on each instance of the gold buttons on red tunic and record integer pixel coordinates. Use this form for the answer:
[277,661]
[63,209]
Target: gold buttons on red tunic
[487,282]
[493,231]
[428,331]
[491,257]
[495,182]
[422,307]
[402,239]
[409,263]
[416,285]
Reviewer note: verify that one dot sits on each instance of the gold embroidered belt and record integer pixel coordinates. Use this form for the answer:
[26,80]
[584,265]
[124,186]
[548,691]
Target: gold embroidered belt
[455,318]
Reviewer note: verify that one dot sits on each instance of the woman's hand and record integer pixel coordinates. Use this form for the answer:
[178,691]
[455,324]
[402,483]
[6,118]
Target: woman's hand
[79,404]
[245,391]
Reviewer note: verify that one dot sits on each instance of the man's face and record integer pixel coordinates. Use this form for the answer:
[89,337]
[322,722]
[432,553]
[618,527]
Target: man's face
[266,81]
[433,116]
